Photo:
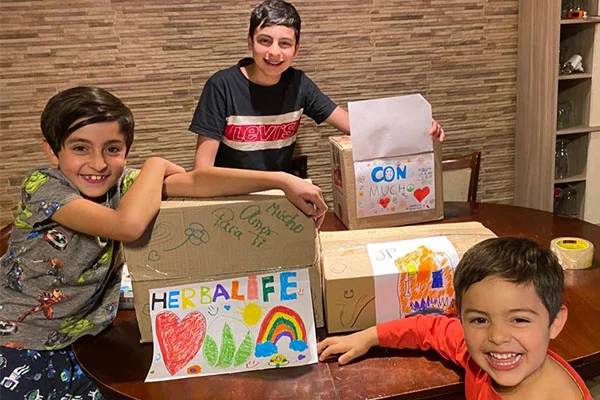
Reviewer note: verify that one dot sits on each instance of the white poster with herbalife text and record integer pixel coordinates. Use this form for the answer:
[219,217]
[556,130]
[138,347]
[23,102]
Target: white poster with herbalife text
[224,326]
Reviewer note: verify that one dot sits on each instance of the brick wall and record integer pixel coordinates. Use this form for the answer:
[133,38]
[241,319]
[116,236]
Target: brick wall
[156,56]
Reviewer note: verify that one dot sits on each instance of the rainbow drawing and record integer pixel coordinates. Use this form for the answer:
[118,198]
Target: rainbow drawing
[280,322]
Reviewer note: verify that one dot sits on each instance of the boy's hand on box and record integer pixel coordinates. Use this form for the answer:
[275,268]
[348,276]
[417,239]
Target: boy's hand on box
[436,132]
[307,197]
[350,347]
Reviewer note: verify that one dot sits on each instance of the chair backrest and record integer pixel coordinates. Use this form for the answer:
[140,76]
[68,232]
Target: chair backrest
[4,236]
[460,175]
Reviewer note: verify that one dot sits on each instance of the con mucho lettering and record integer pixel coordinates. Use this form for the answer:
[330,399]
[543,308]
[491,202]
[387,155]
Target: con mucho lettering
[288,220]
[393,190]
[251,215]
[388,173]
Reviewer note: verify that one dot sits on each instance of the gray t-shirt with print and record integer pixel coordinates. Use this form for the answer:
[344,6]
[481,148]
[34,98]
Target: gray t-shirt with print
[56,284]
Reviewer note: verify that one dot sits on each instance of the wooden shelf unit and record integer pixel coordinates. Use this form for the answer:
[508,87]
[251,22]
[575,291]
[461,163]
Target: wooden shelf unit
[578,129]
[545,42]
[581,75]
[588,20]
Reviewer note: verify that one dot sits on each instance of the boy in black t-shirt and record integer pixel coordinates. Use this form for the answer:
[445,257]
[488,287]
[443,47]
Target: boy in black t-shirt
[248,114]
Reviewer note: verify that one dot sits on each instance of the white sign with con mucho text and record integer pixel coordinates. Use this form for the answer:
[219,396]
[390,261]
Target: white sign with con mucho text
[395,185]
[393,155]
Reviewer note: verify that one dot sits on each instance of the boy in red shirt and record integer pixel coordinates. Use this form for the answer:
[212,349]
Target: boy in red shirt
[509,297]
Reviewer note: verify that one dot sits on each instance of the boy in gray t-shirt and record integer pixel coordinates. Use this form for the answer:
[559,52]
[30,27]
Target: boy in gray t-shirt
[60,274]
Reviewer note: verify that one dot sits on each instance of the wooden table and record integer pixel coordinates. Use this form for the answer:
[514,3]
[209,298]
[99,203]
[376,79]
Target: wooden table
[119,362]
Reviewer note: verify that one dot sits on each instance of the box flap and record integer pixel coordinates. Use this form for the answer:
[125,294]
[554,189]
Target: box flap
[344,254]
[343,142]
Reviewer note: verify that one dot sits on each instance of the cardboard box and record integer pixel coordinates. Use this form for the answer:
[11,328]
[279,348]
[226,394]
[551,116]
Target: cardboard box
[205,239]
[386,192]
[348,282]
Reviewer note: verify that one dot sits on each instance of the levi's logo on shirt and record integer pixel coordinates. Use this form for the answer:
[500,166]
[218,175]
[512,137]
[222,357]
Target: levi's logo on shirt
[261,133]
[249,133]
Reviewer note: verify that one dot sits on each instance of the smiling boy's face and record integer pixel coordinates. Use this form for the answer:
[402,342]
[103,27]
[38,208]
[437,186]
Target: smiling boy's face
[92,157]
[273,50]
[507,331]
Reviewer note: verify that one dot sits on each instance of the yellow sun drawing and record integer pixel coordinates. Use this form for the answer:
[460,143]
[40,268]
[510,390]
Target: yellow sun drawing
[252,314]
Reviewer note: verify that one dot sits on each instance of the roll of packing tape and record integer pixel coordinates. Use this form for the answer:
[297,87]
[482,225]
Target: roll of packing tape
[572,252]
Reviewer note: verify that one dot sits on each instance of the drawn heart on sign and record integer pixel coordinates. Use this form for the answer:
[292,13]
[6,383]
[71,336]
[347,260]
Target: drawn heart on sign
[420,194]
[179,341]
[384,202]
[153,256]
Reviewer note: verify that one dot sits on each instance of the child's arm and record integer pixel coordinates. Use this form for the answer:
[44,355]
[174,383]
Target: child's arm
[350,347]
[210,120]
[339,119]
[425,332]
[435,332]
[135,211]
[214,181]
[206,151]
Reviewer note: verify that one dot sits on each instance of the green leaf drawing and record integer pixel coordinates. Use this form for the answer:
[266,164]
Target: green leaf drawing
[210,350]
[228,353]
[245,350]
[227,348]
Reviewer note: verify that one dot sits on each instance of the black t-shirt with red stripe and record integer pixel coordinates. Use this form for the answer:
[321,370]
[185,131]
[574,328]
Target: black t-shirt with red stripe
[256,124]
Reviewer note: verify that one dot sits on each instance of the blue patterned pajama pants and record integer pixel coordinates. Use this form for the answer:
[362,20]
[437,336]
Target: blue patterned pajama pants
[44,375]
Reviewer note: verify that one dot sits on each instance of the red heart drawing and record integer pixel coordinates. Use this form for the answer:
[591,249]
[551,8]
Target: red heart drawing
[420,194]
[179,341]
[384,202]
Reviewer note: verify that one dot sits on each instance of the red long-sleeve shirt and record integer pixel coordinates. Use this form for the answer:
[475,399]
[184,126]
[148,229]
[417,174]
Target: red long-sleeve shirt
[445,335]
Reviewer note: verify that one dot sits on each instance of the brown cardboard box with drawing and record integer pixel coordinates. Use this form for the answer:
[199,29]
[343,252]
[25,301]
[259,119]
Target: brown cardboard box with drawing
[196,240]
[357,295]
[389,172]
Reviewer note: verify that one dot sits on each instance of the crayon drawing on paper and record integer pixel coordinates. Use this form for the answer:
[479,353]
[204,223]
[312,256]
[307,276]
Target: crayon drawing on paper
[395,185]
[232,325]
[413,276]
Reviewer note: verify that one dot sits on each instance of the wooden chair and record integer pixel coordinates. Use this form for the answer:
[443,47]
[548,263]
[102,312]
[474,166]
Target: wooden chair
[4,236]
[460,175]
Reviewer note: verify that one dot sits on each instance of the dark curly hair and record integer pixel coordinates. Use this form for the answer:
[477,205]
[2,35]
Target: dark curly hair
[92,103]
[275,12]
[518,260]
